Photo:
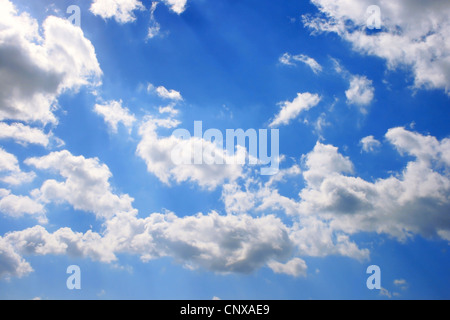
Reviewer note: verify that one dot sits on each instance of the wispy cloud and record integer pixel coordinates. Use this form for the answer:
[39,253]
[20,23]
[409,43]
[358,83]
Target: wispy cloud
[290,60]
[290,110]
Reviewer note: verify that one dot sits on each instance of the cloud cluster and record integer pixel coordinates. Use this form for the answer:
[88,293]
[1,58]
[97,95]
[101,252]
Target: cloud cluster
[333,204]
[86,186]
[218,243]
[336,204]
[35,69]
[64,241]
[414,34]
[295,267]
[331,207]
[414,202]
[123,11]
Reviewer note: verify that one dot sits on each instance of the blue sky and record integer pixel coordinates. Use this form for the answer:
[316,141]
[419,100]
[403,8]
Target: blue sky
[86,176]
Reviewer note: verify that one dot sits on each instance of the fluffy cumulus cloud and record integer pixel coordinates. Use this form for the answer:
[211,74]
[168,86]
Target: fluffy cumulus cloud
[290,110]
[310,234]
[120,10]
[38,241]
[173,158]
[10,171]
[18,206]
[36,68]
[369,144]
[217,243]
[177,6]
[295,267]
[360,93]
[413,202]
[221,244]
[336,204]
[86,186]
[24,134]
[165,93]
[113,114]
[414,33]
[11,263]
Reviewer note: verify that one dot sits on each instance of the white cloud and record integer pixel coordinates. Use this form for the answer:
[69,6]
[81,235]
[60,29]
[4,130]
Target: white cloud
[36,69]
[237,200]
[400,282]
[425,148]
[310,235]
[38,241]
[170,109]
[17,206]
[155,27]
[154,30]
[217,243]
[325,161]
[318,238]
[177,6]
[222,244]
[168,94]
[113,114]
[295,267]
[8,162]
[290,60]
[86,186]
[121,10]
[286,59]
[335,205]
[158,153]
[165,93]
[414,34]
[332,207]
[369,144]
[10,171]
[13,265]
[284,173]
[24,134]
[361,92]
[291,110]
[413,202]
